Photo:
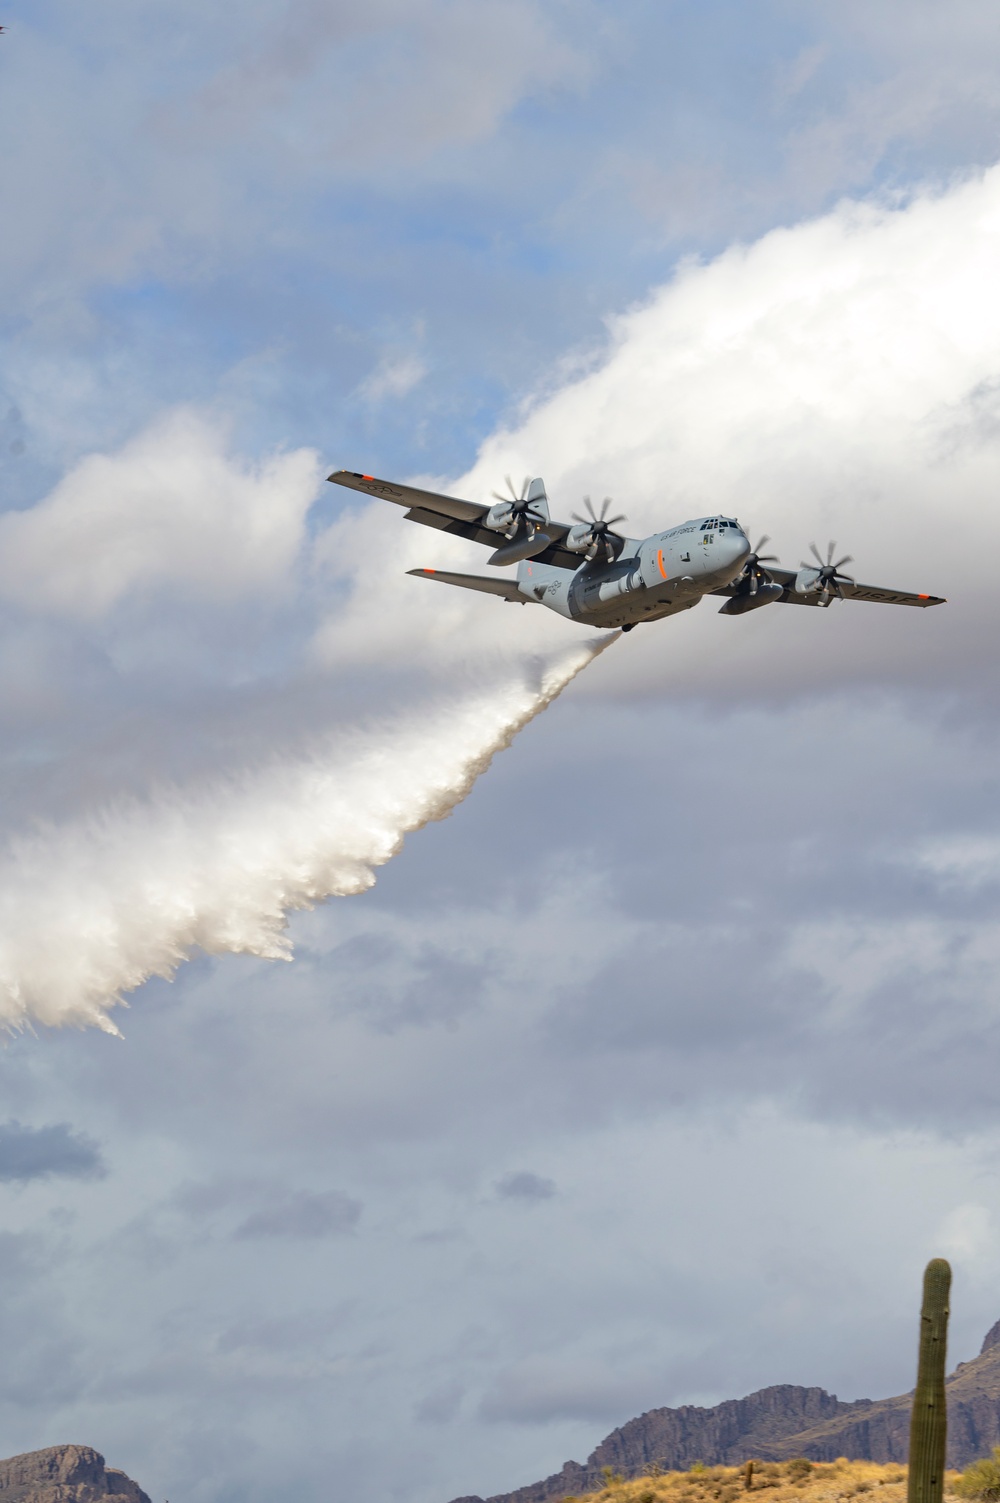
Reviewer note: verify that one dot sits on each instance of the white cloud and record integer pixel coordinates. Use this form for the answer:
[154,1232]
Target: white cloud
[837,379]
[967,1234]
[394,376]
[961,860]
[171,507]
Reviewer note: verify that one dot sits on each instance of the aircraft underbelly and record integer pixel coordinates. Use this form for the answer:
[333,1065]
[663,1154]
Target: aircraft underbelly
[645,586]
[609,607]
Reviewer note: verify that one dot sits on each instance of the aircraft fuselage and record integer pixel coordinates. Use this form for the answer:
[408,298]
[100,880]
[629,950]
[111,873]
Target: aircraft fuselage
[651,577]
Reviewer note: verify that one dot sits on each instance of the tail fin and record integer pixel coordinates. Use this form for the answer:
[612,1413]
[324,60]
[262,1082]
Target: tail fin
[537,497]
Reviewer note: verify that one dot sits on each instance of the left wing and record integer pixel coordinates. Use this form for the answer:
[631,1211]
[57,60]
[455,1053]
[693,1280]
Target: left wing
[449,514]
[506,588]
[787,577]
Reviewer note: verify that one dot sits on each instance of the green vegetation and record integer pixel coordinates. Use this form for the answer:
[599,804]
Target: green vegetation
[981,1479]
[929,1417]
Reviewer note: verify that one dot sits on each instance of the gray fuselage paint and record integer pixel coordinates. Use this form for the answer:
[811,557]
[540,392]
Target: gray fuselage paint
[651,577]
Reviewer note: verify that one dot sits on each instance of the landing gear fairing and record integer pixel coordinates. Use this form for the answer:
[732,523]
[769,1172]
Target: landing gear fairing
[588,572]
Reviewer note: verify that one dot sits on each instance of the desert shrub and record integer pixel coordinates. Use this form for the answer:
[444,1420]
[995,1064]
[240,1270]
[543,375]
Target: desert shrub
[981,1479]
[647,1496]
[799,1466]
[696,1466]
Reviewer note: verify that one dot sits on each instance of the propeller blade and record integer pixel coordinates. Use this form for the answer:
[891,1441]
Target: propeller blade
[816,555]
[831,549]
[766,558]
[765,539]
[847,559]
[513,492]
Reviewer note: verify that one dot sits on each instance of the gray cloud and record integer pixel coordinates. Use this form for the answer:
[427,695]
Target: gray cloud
[28,1153]
[544,1392]
[303,1213]
[521,1184]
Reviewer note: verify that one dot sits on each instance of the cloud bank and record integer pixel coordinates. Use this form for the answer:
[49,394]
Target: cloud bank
[838,379]
[28,1153]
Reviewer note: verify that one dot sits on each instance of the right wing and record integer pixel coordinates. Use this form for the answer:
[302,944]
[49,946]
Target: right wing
[449,514]
[876,593]
[507,588]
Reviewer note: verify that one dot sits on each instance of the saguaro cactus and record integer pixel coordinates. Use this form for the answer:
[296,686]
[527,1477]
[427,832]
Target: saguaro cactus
[928,1417]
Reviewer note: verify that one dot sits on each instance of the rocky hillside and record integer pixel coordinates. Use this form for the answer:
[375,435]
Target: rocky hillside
[65,1474]
[778,1423]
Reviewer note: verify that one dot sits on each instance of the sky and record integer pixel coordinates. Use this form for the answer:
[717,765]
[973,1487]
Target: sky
[432,1042]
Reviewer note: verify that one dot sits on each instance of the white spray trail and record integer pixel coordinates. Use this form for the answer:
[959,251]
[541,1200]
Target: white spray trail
[91,909]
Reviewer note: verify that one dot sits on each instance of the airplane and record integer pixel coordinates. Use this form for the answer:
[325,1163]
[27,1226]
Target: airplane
[590,573]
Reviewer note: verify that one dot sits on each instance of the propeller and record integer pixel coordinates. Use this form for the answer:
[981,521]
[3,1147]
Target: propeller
[752,568]
[829,578]
[520,507]
[600,530]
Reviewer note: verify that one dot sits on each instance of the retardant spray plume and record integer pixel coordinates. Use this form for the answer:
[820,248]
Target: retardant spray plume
[89,910]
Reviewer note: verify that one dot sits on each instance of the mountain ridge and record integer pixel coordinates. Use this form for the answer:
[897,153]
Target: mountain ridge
[779,1422]
[65,1474]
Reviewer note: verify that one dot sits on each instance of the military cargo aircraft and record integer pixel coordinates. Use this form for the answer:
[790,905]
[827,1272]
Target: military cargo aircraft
[590,573]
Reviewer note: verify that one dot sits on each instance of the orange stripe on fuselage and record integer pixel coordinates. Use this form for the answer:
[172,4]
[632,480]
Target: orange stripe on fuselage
[659,563]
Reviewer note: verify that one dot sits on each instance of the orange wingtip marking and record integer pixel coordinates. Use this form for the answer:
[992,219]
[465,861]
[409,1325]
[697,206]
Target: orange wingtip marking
[923,597]
[368,477]
[430,571]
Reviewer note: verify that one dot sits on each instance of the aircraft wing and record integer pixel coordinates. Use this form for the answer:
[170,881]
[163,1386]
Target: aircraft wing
[507,588]
[449,514]
[877,593]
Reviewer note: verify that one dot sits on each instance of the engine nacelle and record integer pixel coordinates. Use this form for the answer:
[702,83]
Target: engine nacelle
[500,518]
[503,518]
[807,581]
[579,538]
[766,594]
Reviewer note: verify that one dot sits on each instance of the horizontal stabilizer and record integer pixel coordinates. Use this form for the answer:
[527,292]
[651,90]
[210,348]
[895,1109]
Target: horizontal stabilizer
[506,588]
